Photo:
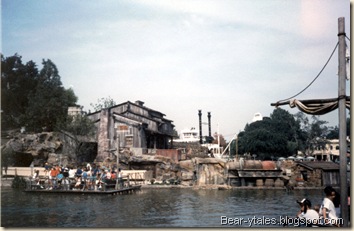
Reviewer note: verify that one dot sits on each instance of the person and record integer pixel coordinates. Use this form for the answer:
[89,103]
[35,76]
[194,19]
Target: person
[36,176]
[60,178]
[120,178]
[328,210]
[307,213]
[336,202]
[88,166]
[78,172]
[46,167]
[108,174]
[85,178]
[72,173]
[94,174]
[53,176]
[113,175]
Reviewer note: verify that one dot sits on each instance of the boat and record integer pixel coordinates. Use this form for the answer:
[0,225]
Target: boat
[215,149]
[109,188]
[125,190]
[188,135]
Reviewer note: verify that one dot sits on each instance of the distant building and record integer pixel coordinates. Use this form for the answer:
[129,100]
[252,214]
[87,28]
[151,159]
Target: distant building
[331,151]
[133,125]
[75,110]
[257,117]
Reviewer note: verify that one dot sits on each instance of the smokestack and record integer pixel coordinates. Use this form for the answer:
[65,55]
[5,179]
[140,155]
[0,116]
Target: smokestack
[209,125]
[200,126]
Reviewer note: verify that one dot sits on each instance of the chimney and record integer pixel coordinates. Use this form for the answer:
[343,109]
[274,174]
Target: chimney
[140,103]
[200,127]
[209,124]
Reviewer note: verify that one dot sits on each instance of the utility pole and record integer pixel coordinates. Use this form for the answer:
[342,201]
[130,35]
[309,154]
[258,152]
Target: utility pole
[342,122]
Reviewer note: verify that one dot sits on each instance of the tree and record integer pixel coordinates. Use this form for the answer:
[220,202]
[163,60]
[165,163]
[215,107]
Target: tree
[333,133]
[313,133]
[31,98]
[219,138]
[78,125]
[49,101]
[17,81]
[103,103]
[273,136]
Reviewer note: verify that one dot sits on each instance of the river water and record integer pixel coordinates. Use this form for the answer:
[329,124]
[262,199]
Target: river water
[168,207]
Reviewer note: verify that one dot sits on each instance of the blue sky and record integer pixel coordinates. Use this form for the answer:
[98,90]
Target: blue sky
[232,58]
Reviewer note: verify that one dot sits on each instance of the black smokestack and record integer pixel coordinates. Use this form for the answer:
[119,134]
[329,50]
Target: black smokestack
[209,125]
[200,126]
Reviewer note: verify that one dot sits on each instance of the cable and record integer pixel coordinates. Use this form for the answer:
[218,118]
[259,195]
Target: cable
[347,37]
[315,77]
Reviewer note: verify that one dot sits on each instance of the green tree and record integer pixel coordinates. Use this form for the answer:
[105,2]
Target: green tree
[78,125]
[274,136]
[333,133]
[31,98]
[313,133]
[49,101]
[17,81]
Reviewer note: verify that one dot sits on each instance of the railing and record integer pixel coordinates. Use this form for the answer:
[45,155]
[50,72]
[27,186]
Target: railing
[138,176]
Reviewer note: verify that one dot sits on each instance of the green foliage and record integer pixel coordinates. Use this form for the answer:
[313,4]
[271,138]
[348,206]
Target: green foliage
[36,100]
[18,80]
[103,103]
[78,126]
[274,136]
[283,134]
[333,133]
[313,133]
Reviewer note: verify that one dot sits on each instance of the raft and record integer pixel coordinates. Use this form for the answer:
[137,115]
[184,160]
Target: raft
[125,190]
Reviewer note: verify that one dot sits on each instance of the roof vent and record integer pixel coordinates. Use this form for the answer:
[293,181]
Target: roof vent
[140,103]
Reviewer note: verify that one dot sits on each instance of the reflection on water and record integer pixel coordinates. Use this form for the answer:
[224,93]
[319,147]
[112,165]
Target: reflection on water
[148,207]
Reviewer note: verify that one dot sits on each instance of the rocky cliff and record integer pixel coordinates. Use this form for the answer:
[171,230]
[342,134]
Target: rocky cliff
[58,148]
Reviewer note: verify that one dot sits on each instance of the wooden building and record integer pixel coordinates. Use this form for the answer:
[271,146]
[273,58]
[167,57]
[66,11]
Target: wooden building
[317,173]
[134,126]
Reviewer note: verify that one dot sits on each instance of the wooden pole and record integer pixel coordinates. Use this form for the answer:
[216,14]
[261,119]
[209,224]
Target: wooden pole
[309,101]
[117,180]
[342,122]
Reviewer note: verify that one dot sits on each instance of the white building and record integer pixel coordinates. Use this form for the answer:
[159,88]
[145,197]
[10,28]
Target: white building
[330,152]
[257,117]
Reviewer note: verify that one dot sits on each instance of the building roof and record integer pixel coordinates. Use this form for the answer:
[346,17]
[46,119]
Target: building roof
[324,165]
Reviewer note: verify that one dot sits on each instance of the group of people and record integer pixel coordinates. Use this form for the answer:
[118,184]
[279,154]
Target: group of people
[85,177]
[93,177]
[326,214]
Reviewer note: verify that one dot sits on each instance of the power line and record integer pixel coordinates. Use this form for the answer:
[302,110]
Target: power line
[315,77]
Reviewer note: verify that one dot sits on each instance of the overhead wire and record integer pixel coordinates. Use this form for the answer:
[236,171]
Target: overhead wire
[330,57]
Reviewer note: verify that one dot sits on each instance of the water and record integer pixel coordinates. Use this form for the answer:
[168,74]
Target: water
[151,208]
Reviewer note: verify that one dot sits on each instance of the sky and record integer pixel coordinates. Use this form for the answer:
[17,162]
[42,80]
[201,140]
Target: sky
[230,58]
